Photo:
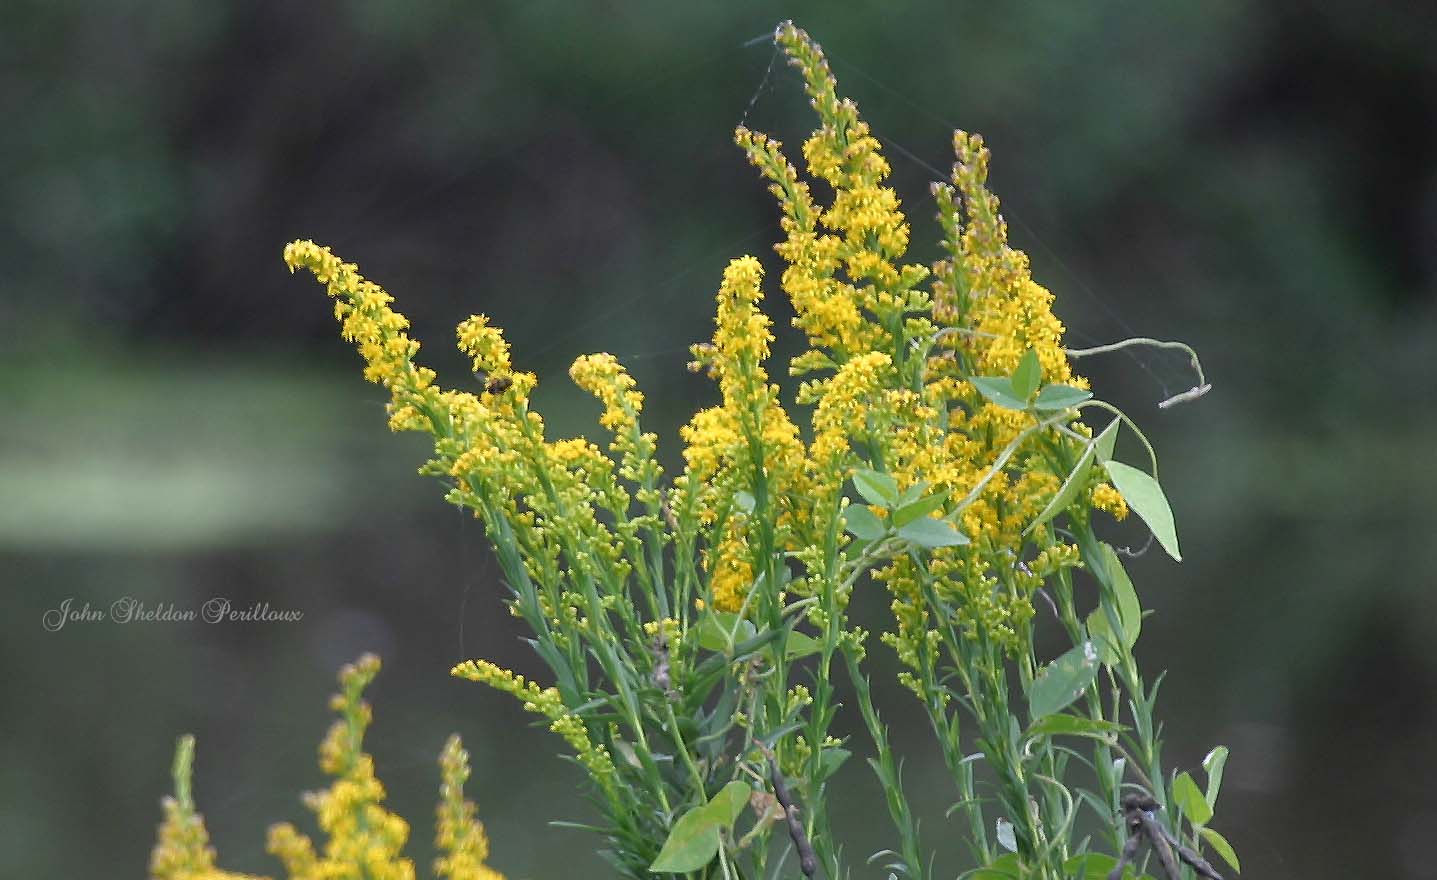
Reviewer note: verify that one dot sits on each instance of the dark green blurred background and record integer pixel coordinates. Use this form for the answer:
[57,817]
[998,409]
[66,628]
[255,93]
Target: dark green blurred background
[181,421]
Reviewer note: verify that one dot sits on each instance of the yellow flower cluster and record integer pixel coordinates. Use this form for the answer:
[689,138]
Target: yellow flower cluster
[546,702]
[901,357]
[602,376]
[364,839]
[891,346]
[183,851]
[748,434]
[460,835]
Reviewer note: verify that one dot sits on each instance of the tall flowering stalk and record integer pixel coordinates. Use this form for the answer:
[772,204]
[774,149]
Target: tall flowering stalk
[692,628]
[362,838]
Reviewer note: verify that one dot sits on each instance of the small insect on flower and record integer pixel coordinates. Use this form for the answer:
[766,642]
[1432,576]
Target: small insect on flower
[495,384]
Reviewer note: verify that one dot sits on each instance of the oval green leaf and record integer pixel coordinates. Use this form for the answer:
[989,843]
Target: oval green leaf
[832,760]
[694,840]
[1062,681]
[922,507]
[1190,800]
[876,488]
[1002,868]
[1146,498]
[1027,376]
[1056,397]
[1089,866]
[693,843]
[998,389]
[860,522]
[798,645]
[931,533]
[717,627]
[729,802]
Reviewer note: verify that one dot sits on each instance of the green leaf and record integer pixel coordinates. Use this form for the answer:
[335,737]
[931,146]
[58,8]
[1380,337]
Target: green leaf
[694,839]
[1004,868]
[1062,681]
[1060,724]
[931,533]
[693,843]
[876,488]
[627,752]
[1213,764]
[833,759]
[922,507]
[1222,847]
[1094,866]
[912,493]
[1089,866]
[1103,638]
[1055,397]
[1108,439]
[1068,492]
[799,645]
[1190,800]
[1129,609]
[729,802]
[1101,448]
[1146,497]
[715,627]
[1027,376]
[862,524]
[744,500]
[998,389]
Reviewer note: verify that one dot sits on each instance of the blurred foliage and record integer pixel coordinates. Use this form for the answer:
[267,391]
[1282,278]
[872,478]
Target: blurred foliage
[1260,180]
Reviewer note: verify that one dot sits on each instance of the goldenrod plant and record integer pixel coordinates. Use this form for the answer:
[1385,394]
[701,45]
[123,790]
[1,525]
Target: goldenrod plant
[694,629]
[362,838]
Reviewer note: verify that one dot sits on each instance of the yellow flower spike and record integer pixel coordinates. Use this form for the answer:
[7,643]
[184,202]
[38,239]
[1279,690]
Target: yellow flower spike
[732,573]
[602,376]
[364,839]
[460,835]
[183,851]
[546,702]
[484,343]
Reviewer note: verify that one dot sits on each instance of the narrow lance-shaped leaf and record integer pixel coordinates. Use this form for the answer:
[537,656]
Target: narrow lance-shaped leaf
[1146,498]
[1129,610]
[1213,764]
[1221,847]
[1080,476]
